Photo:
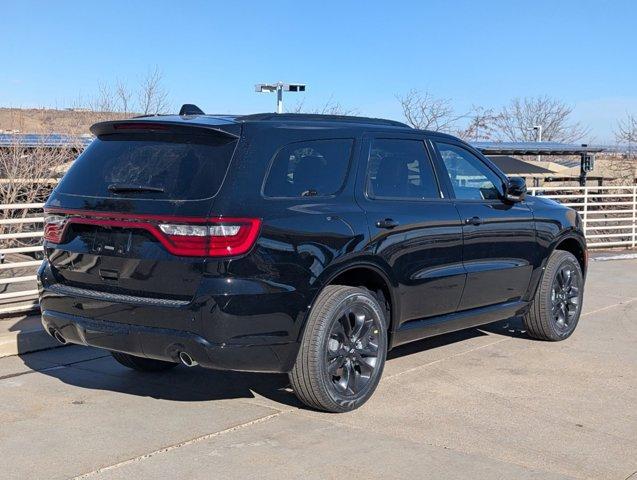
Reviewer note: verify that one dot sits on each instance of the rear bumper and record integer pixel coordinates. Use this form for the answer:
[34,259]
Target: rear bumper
[244,331]
[166,344]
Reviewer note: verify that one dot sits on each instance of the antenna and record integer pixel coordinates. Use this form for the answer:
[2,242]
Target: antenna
[190,109]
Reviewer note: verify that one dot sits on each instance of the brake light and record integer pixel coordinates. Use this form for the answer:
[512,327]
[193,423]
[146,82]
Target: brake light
[139,126]
[54,227]
[184,236]
[224,237]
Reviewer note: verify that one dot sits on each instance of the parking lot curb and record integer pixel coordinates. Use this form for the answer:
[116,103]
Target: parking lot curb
[23,335]
[621,256]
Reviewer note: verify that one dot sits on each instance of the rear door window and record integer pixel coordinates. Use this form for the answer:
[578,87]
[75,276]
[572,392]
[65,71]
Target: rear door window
[400,169]
[308,169]
[155,166]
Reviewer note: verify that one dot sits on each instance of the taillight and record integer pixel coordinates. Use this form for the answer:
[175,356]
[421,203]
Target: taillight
[54,227]
[184,236]
[220,238]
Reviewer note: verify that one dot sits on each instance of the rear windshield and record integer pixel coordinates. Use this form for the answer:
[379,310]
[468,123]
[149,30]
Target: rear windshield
[154,166]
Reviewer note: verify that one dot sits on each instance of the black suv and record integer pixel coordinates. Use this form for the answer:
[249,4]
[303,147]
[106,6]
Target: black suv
[306,244]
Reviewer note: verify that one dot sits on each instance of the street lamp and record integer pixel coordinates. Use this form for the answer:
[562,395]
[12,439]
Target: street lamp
[538,129]
[279,88]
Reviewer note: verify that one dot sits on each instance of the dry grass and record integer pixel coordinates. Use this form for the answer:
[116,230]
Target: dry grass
[48,121]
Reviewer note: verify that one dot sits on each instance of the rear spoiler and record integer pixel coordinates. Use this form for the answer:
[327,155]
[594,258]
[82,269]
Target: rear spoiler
[163,126]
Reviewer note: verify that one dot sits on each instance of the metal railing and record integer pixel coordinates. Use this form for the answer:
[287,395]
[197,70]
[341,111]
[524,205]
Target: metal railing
[20,243]
[609,216]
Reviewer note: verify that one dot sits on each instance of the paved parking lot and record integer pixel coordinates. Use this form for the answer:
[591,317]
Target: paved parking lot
[483,403]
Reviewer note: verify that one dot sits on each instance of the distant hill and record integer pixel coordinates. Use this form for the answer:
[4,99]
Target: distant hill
[35,120]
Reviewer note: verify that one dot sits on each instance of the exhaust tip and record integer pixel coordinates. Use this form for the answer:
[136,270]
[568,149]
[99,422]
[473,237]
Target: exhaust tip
[58,336]
[187,359]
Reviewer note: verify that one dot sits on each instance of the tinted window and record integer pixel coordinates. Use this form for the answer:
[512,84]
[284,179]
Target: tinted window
[174,167]
[470,178]
[400,169]
[308,169]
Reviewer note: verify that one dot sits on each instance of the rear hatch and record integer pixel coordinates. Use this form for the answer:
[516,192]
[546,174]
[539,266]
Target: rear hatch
[131,215]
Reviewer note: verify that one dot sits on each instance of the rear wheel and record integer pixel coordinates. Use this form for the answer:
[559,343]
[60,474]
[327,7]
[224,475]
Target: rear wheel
[557,304]
[142,364]
[343,350]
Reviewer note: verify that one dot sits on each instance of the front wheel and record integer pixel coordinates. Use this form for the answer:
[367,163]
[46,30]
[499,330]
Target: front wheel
[343,350]
[557,304]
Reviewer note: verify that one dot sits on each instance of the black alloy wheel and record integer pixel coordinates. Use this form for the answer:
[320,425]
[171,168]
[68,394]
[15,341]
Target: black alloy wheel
[352,349]
[556,307]
[343,350]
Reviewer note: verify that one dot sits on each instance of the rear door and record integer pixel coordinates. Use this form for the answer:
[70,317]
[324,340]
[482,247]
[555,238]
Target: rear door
[500,247]
[127,218]
[414,228]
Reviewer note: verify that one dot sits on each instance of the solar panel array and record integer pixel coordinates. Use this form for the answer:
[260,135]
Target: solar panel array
[533,148]
[33,140]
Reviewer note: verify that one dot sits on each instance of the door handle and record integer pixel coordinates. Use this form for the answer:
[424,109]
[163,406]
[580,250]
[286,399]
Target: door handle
[387,223]
[473,221]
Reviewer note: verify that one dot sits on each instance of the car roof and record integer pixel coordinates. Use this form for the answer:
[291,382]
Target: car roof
[299,120]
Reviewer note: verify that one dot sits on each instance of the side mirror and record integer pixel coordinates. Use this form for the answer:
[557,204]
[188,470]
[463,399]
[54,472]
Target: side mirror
[515,189]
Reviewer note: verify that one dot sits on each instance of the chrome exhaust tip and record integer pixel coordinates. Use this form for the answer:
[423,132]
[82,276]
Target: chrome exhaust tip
[58,336]
[187,359]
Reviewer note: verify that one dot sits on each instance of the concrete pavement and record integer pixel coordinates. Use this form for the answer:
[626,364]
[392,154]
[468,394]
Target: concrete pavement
[482,403]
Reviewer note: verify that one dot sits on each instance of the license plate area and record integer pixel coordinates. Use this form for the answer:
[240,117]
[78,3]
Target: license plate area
[114,242]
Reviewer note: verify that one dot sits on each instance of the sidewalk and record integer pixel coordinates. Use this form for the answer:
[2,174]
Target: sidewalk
[486,403]
[23,334]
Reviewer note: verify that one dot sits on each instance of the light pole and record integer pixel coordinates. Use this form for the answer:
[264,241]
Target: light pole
[538,129]
[279,88]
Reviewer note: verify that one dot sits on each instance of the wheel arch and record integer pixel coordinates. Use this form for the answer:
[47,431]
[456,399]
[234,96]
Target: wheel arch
[570,241]
[364,274]
[576,246]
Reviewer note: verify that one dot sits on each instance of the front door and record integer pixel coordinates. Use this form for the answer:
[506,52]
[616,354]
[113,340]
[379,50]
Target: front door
[500,249]
[414,228]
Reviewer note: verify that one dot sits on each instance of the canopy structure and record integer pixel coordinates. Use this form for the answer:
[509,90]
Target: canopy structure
[515,166]
[585,152]
[534,148]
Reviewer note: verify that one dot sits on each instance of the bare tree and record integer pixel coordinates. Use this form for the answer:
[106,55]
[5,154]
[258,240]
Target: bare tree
[480,125]
[124,96]
[515,121]
[623,165]
[105,99]
[152,97]
[114,101]
[329,108]
[424,111]
[27,175]
[627,130]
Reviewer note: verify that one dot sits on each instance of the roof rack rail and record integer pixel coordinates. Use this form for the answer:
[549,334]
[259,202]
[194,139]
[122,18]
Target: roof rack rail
[190,109]
[316,116]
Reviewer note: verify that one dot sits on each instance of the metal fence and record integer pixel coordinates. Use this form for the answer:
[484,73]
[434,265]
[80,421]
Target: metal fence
[609,215]
[20,249]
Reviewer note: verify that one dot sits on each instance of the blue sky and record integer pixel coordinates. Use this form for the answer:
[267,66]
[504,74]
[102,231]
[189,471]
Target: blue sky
[360,54]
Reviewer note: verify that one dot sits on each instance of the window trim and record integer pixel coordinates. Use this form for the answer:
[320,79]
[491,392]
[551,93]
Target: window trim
[375,198]
[441,164]
[353,141]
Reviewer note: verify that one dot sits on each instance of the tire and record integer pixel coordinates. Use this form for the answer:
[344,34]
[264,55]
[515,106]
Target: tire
[343,350]
[557,305]
[142,364]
